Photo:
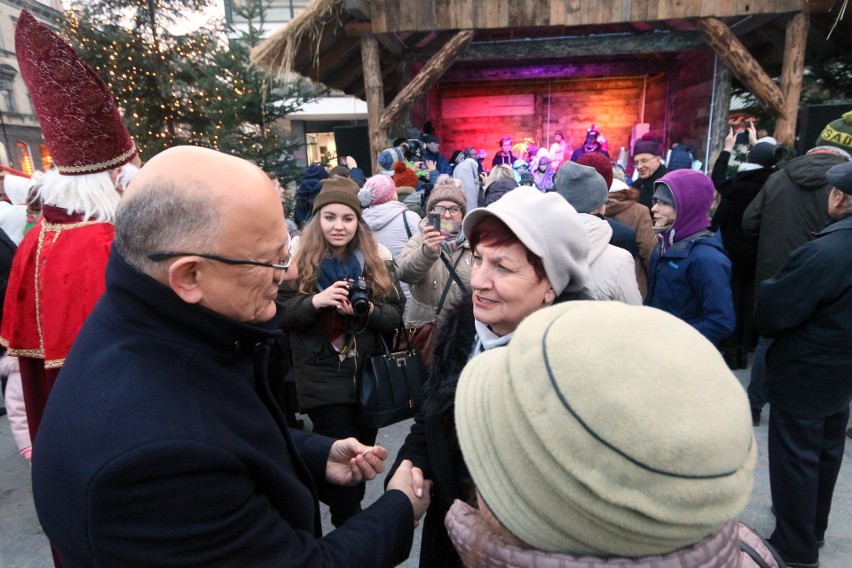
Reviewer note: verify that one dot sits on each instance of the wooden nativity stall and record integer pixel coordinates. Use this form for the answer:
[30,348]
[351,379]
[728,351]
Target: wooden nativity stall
[481,69]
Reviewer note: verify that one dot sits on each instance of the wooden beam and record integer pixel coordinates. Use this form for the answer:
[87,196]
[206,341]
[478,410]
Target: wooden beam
[445,15]
[467,74]
[353,28]
[427,77]
[375,96]
[731,50]
[607,46]
[792,71]
[392,43]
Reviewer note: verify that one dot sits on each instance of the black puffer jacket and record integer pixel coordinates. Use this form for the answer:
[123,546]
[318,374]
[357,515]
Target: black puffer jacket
[789,209]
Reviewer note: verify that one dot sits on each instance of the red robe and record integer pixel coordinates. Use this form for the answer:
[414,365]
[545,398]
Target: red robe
[57,277]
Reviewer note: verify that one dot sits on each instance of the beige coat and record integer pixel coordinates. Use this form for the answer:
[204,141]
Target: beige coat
[424,272]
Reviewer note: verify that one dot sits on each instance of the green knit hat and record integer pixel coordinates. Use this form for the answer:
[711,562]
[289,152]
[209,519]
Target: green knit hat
[577,449]
[838,133]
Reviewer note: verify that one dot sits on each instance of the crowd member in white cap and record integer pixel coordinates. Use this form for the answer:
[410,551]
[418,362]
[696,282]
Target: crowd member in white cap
[569,469]
[55,282]
[529,251]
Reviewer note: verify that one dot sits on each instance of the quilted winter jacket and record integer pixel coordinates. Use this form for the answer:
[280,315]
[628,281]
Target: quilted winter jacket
[477,543]
[612,272]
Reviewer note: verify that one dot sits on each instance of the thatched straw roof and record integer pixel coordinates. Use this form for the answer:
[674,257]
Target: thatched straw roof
[278,53]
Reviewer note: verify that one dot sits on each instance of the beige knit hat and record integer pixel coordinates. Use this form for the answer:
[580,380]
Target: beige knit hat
[583,451]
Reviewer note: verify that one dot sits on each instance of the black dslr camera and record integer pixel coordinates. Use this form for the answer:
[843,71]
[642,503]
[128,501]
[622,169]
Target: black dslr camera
[359,295]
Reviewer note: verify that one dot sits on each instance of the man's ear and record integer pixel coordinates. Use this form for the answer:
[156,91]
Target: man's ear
[184,279]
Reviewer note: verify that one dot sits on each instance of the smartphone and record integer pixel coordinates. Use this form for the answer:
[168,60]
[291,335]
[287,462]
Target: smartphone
[435,221]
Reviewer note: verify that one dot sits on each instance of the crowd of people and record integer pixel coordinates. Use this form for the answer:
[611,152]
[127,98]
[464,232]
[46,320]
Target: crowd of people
[194,323]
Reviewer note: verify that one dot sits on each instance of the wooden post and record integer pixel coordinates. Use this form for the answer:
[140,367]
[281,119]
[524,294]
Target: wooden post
[731,50]
[431,72]
[721,106]
[374,91]
[792,71]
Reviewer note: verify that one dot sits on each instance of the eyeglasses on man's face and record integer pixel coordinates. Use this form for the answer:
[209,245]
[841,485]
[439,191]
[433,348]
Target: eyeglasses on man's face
[644,161]
[440,210]
[283,263]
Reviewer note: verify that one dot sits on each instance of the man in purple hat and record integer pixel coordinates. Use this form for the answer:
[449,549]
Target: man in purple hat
[649,165]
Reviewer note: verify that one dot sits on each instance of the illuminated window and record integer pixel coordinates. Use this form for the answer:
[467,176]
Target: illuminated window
[46,158]
[25,158]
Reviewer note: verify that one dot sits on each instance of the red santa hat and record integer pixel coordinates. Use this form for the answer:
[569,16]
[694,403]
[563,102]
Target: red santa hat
[78,116]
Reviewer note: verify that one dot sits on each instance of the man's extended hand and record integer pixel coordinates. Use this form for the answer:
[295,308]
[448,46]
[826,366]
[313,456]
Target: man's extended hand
[351,462]
[409,480]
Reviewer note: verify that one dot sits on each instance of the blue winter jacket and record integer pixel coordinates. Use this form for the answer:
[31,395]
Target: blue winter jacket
[690,274]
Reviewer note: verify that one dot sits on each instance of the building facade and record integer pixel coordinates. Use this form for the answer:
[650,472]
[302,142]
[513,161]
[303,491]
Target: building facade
[314,124]
[22,145]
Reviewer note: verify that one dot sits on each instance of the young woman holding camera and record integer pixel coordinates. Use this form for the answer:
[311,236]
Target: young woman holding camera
[345,295]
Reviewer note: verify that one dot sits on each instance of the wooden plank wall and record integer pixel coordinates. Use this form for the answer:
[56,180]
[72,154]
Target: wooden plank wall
[689,104]
[478,115]
[425,15]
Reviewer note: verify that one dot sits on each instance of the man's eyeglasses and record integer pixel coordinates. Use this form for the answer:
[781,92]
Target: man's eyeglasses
[440,209]
[644,161]
[283,263]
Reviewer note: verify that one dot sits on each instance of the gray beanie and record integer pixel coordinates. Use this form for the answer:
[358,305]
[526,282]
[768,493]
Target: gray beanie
[662,192]
[582,186]
[389,157]
[549,227]
[578,451]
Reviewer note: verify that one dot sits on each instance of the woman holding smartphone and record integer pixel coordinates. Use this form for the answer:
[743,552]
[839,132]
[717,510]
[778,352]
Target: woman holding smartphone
[420,262]
[345,295]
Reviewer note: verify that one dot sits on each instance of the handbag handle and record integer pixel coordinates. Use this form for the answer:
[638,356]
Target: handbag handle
[384,344]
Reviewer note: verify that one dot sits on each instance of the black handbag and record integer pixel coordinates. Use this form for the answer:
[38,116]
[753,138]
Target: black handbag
[391,387]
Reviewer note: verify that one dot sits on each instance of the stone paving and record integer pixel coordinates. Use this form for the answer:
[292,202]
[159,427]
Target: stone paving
[23,545]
